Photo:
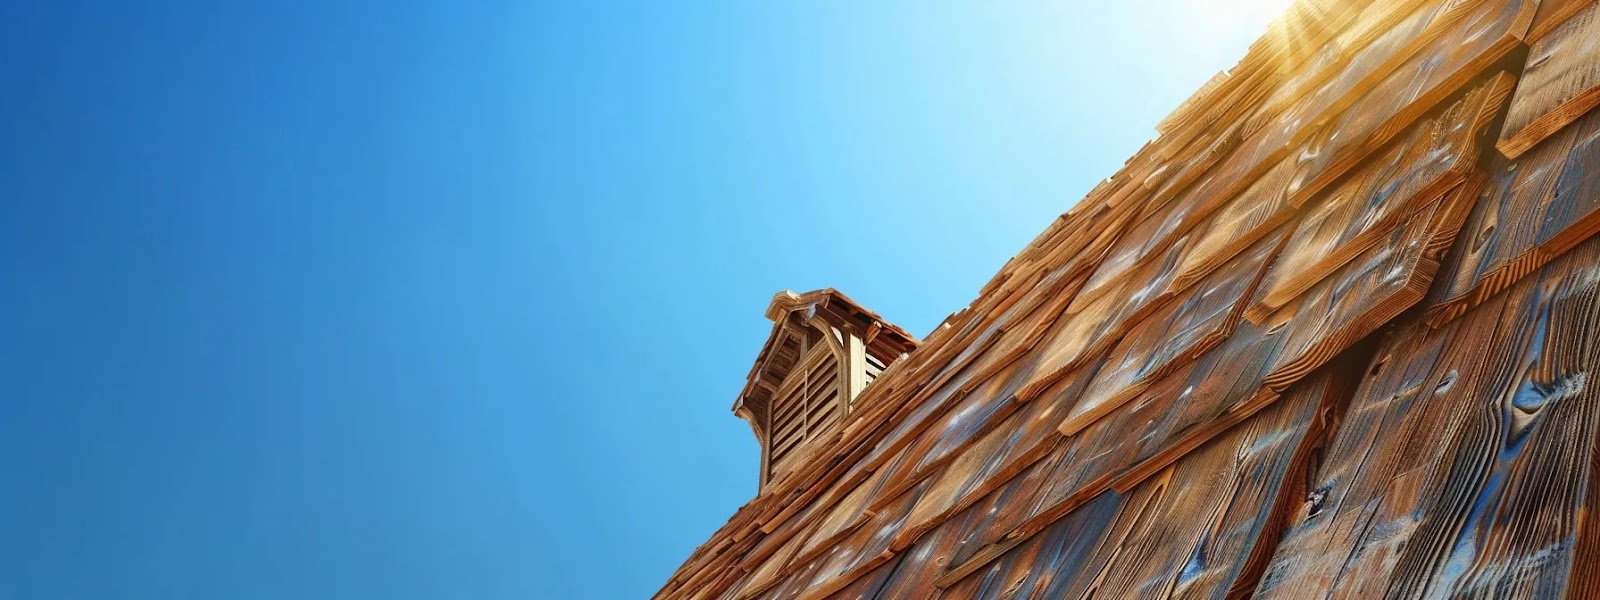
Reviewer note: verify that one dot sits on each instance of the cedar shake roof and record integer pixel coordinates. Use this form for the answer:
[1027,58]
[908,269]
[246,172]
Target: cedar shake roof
[1331,329]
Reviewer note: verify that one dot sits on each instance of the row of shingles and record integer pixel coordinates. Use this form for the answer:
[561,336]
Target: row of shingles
[1226,380]
[1212,123]
[913,574]
[1256,215]
[1540,205]
[1176,205]
[981,432]
[968,414]
[1261,206]
[1005,278]
[892,383]
[840,524]
[1436,156]
[979,413]
[765,562]
[1228,385]
[1004,502]
[833,521]
[1174,335]
[968,481]
[1310,35]
[1013,458]
[1067,263]
[1480,35]
[1158,428]
[1464,466]
[978,410]
[867,543]
[1085,461]
[1356,214]
[1218,394]
[1380,289]
[1195,529]
[710,568]
[1173,214]
[1410,34]
[1073,222]
[1216,547]
[975,416]
[1015,446]
[774,499]
[1280,133]
[1474,40]
[959,382]
[1371,290]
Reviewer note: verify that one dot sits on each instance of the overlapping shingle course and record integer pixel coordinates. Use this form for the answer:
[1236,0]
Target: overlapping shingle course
[1406,411]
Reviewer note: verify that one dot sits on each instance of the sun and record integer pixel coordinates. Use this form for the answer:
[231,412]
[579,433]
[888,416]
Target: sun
[1232,19]
[1245,9]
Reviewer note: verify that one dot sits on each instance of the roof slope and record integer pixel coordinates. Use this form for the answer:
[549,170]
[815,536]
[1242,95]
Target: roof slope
[1321,333]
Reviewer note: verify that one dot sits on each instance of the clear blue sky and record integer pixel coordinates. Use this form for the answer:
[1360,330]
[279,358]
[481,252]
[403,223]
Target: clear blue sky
[398,300]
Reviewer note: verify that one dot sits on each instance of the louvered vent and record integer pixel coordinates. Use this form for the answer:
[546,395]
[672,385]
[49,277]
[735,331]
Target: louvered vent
[806,406]
[823,351]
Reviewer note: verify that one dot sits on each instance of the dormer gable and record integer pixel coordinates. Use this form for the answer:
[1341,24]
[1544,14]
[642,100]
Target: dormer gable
[823,350]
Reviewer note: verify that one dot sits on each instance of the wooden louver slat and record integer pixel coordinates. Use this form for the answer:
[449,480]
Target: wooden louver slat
[806,405]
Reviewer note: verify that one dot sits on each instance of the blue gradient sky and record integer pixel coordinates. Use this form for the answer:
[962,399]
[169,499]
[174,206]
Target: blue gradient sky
[392,300]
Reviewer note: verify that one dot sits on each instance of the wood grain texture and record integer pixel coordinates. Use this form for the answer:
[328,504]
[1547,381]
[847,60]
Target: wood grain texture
[1351,217]
[1213,517]
[1552,14]
[1369,291]
[1143,437]
[1150,235]
[1058,554]
[964,481]
[1482,34]
[1079,336]
[1537,207]
[1190,531]
[859,553]
[1560,84]
[1428,47]
[1463,467]
[1172,336]
[1356,52]
[1260,209]
[1007,457]
[1312,36]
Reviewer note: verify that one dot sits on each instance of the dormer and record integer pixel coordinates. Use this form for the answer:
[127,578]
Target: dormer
[823,350]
